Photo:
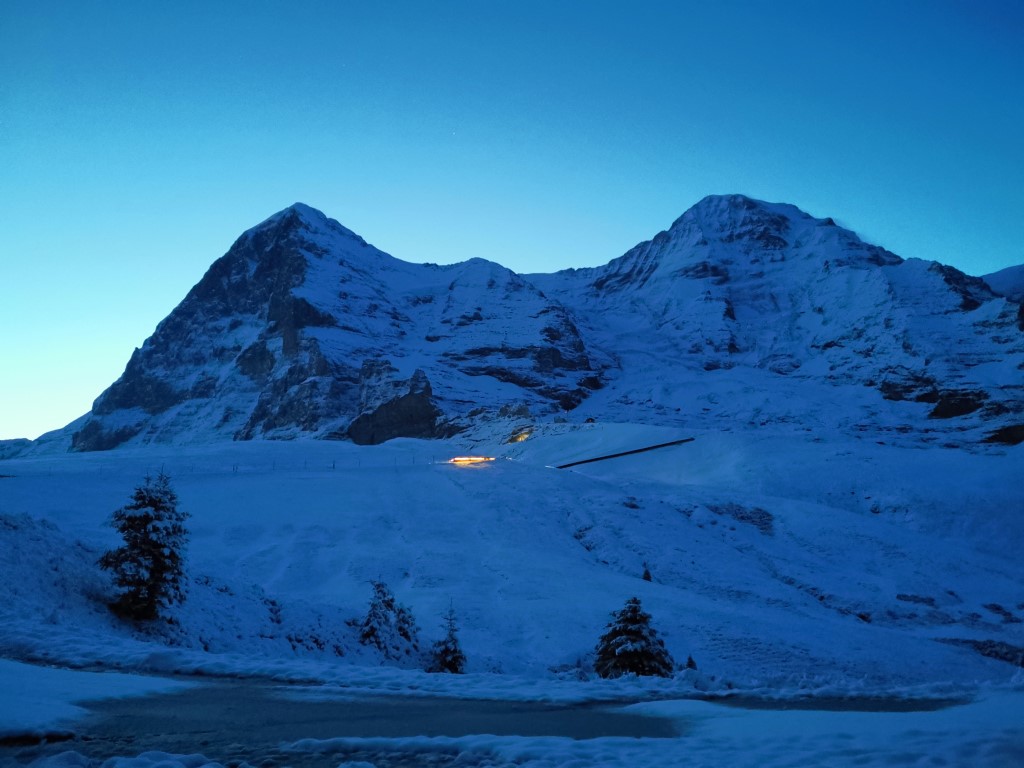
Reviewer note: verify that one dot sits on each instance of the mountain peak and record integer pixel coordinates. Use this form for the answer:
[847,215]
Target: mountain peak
[723,212]
[305,218]
[299,212]
[305,211]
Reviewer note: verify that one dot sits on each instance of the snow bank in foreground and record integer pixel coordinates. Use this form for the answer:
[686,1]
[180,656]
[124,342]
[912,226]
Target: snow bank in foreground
[38,700]
[987,732]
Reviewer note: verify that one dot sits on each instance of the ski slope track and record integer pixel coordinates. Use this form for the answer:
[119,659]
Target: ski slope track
[834,506]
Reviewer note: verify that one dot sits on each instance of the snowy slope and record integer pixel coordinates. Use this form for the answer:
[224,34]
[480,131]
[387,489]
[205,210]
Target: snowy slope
[1008,282]
[774,557]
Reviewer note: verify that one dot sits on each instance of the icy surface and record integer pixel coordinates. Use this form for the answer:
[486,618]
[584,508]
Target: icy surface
[41,700]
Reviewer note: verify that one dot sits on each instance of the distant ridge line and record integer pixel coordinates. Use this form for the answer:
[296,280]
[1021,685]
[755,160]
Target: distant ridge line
[626,453]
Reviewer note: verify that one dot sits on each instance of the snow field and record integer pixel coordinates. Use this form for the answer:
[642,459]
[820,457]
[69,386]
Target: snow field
[763,546]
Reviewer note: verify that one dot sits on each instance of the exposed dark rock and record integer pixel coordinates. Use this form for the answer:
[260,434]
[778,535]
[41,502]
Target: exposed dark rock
[992,649]
[764,236]
[761,519]
[973,291]
[289,315]
[729,313]
[566,399]
[633,269]
[1007,616]
[550,359]
[705,269]
[138,389]
[929,601]
[309,394]
[901,383]
[256,361]
[953,403]
[506,375]
[411,415]
[204,388]
[551,334]
[93,436]
[1010,435]
[297,313]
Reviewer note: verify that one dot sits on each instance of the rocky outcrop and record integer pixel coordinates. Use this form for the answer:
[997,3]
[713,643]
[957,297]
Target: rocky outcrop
[95,436]
[412,414]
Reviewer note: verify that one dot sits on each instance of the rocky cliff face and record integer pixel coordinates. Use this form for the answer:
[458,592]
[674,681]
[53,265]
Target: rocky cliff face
[741,310]
[302,328]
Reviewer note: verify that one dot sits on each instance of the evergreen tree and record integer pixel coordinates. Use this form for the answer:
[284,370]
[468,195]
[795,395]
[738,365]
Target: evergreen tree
[631,645]
[389,626]
[447,655]
[149,567]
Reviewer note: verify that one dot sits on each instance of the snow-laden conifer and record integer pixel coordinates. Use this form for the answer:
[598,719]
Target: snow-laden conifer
[389,626]
[631,645]
[447,655]
[149,567]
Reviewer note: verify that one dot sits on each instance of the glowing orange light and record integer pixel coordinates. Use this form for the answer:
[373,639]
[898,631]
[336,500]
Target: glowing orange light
[470,459]
[518,437]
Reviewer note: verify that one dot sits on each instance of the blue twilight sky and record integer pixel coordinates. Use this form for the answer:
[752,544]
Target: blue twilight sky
[139,139]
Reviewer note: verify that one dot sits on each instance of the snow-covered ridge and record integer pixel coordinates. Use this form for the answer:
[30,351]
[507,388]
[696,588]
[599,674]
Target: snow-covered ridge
[741,310]
[1008,282]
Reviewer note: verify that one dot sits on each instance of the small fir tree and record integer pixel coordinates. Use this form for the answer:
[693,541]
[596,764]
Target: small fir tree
[631,645]
[149,567]
[389,626]
[447,655]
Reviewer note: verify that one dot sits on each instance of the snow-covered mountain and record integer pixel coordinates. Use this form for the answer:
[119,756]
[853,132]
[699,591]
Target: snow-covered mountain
[804,530]
[762,313]
[304,328]
[741,311]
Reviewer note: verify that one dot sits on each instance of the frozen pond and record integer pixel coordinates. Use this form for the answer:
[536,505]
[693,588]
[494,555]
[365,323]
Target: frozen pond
[265,725]
[246,721]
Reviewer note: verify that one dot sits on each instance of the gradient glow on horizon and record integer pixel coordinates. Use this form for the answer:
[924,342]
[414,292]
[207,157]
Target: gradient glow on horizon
[138,140]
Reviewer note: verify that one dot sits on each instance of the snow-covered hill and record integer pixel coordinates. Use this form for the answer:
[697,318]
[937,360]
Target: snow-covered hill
[742,312]
[774,557]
